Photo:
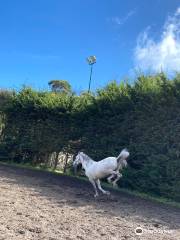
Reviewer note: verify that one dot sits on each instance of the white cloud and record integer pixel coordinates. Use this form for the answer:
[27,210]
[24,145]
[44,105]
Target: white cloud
[163,54]
[121,21]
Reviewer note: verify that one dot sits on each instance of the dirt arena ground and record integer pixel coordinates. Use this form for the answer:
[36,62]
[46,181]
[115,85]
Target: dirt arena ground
[39,205]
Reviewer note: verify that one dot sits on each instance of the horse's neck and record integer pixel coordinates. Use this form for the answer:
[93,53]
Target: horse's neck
[87,161]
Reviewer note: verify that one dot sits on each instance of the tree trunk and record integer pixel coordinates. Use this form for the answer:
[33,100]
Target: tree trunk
[46,159]
[65,164]
[34,160]
[56,161]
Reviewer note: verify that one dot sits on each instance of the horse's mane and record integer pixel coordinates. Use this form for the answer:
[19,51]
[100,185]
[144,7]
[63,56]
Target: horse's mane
[86,157]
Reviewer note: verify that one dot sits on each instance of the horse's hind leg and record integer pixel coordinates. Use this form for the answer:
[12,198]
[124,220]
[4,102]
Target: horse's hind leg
[100,188]
[112,178]
[119,175]
[94,185]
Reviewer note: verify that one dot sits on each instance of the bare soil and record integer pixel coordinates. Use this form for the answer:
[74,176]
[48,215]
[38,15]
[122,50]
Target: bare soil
[39,205]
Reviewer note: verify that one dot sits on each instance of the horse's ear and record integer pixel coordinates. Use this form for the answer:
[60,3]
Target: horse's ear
[77,153]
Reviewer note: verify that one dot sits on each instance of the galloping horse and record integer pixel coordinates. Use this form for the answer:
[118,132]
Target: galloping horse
[101,169]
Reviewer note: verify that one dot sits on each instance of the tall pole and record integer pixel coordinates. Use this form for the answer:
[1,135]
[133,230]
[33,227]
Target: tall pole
[91,61]
[90,78]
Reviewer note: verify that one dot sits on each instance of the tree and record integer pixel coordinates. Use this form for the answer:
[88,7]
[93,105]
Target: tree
[60,86]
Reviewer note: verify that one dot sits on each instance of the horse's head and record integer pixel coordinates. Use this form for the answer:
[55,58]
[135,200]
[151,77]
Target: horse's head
[78,160]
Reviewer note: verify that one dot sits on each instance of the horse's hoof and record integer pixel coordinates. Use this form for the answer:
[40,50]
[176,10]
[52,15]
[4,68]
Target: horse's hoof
[115,185]
[107,193]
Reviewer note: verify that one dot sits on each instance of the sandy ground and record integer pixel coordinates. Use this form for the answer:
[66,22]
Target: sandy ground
[39,205]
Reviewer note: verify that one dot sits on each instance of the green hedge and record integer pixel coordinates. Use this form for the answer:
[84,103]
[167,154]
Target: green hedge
[143,117]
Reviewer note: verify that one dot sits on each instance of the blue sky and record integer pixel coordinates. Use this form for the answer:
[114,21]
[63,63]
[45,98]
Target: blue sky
[41,40]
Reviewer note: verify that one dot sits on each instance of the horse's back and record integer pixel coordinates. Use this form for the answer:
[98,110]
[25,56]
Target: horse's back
[108,161]
[103,168]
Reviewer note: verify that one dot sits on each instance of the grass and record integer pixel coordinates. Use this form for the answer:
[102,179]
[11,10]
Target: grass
[142,195]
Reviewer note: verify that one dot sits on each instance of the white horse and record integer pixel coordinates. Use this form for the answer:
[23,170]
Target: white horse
[101,169]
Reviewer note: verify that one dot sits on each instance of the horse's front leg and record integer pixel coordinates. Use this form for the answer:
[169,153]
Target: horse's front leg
[94,185]
[100,188]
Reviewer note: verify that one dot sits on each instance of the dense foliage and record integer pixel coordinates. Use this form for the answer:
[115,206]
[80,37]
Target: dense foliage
[143,117]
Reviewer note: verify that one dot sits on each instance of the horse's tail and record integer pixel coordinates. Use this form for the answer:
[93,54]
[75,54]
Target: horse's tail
[122,156]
